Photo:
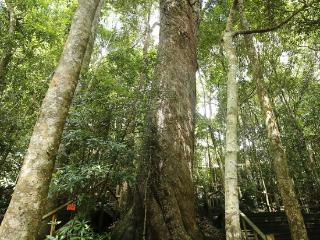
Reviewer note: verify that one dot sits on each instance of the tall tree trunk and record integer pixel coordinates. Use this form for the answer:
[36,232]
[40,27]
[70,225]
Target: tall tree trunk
[92,39]
[53,202]
[232,219]
[304,145]
[164,197]
[285,184]
[219,155]
[23,217]
[8,51]
[207,119]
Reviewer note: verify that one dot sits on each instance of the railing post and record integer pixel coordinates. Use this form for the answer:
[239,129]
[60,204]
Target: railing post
[53,224]
[257,232]
[244,228]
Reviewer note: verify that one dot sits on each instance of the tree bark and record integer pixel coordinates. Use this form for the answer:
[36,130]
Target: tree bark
[164,197]
[285,184]
[53,202]
[232,219]
[23,217]
[8,51]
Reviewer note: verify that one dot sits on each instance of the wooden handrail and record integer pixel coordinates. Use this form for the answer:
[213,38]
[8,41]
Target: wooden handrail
[49,214]
[253,226]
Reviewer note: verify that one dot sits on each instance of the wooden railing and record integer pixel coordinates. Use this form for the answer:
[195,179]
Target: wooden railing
[54,211]
[258,234]
[53,215]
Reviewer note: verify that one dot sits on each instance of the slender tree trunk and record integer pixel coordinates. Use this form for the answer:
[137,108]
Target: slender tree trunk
[218,154]
[204,104]
[8,51]
[164,197]
[92,39]
[53,202]
[303,143]
[23,217]
[285,184]
[143,79]
[130,126]
[232,219]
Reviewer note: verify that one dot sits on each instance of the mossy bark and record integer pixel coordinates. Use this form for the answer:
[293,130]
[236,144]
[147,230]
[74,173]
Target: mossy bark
[23,217]
[164,198]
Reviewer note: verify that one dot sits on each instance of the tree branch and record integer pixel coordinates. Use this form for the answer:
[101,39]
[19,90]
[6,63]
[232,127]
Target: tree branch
[269,29]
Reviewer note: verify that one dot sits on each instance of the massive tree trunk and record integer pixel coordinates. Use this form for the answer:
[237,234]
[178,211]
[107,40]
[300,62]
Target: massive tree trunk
[285,184]
[23,217]
[164,197]
[8,51]
[232,219]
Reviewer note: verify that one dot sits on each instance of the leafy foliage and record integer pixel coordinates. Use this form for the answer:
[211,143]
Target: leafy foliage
[77,229]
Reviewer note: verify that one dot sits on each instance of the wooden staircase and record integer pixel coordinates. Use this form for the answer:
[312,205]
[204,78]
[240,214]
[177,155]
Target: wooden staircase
[277,224]
[250,235]
[251,231]
[274,226]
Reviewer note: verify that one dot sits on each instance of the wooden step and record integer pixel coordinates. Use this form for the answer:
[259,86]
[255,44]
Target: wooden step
[277,224]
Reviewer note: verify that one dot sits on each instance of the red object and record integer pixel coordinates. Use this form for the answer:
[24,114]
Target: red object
[71,207]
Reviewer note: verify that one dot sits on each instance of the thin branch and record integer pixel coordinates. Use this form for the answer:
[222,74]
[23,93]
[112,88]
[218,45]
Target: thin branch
[281,24]
[316,49]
